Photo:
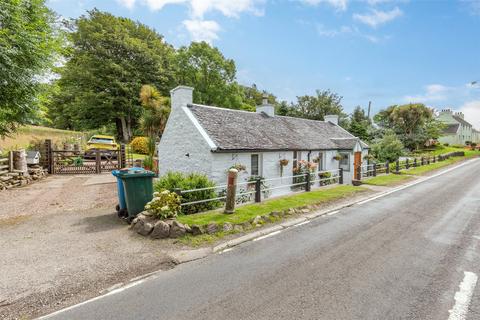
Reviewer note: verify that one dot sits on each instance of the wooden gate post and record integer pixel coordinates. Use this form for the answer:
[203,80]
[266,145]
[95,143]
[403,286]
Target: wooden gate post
[307,182]
[407,164]
[231,191]
[98,162]
[415,162]
[340,178]
[387,167]
[374,169]
[49,155]
[397,167]
[122,163]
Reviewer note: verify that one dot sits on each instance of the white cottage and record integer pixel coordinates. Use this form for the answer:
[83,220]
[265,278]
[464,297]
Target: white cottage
[210,140]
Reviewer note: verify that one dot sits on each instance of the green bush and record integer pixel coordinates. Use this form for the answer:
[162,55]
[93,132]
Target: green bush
[139,145]
[164,205]
[389,147]
[174,180]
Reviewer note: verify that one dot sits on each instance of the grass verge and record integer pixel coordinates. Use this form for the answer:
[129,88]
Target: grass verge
[249,211]
[387,180]
[437,165]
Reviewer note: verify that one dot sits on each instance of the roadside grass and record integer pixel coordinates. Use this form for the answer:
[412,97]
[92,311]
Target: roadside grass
[250,211]
[438,151]
[26,134]
[386,180]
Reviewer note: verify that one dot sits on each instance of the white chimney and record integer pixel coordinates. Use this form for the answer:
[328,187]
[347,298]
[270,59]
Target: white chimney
[181,96]
[332,118]
[266,108]
[460,114]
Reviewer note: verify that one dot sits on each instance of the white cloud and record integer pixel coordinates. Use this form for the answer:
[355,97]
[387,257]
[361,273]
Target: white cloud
[127,3]
[332,32]
[378,17]
[199,28]
[337,4]
[202,30]
[433,93]
[471,110]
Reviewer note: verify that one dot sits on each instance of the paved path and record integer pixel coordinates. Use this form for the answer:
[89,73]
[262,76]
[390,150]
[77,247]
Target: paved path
[413,254]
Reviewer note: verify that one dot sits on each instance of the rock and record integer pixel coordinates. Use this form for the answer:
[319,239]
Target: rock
[196,230]
[161,230]
[146,213]
[142,227]
[305,210]
[291,211]
[187,228]
[177,229]
[275,214]
[238,228]
[257,220]
[212,228]
[266,219]
[227,226]
[246,225]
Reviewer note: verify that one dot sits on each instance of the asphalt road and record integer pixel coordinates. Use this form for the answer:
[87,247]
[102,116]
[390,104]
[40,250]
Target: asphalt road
[401,256]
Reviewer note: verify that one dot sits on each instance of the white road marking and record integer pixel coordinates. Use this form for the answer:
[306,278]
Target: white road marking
[333,212]
[301,223]
[267,235]
[416,182]
[130,285]
[463,297]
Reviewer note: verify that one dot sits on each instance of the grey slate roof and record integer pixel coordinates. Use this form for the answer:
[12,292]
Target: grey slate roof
[451,128]
[462,121]
[234,130]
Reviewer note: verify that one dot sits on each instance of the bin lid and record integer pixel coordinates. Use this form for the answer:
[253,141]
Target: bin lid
[135,174]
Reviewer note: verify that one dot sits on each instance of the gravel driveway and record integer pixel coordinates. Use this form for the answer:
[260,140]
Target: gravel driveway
[61,242]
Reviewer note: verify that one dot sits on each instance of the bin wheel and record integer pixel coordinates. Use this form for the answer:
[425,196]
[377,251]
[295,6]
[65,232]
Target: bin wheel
[117,207]
[122,213]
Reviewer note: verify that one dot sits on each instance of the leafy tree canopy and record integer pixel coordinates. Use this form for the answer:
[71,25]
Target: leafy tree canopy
[29,44]
[388,148]
[413,123]
[111,58]
[360,125]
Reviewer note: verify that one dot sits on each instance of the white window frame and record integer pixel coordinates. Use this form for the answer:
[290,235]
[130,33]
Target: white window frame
[259,164]
[347,166]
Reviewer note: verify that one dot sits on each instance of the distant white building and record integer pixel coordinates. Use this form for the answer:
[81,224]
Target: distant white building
[457,131]
[211,140]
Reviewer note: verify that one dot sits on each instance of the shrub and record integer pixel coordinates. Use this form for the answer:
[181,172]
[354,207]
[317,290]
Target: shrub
[325,175]
[164,205]
[140,145]
[173,180]
[388,148]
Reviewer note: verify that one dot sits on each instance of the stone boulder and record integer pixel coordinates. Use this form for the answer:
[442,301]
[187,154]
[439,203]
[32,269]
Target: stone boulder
[196,230]
[227,226]
[143,227]
[238,228]
[161,230]
[177,229]
[212,228]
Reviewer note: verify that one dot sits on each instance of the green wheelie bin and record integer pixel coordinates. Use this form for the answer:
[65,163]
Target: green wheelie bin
[138,187]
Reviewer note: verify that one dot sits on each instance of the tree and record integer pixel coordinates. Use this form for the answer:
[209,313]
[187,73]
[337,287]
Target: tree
[317,107]
[156,111]
[29,45]
[388,148]
[211,74]
[360,125]
[111,59]
[412,122]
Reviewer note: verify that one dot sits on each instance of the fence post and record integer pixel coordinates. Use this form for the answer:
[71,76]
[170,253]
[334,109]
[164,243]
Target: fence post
[374,169]
[387,167]
[258,190]
[10,161]
[231,191]
[415,162]
[307,181]
[421,161]
[340,178]
[49,154]
[428,160]
[178,191]
[407,164]
[434,160]
[98,162]
[397,167]
[122,157]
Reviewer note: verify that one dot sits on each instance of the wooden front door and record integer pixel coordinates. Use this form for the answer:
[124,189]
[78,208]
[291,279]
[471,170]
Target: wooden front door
[357,162]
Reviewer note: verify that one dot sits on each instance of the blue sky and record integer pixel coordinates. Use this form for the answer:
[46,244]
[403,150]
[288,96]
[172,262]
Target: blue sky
[384,51]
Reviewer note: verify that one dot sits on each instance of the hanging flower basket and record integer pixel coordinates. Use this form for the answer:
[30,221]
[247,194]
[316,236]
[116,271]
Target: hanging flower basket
[337,157]
[316,160]
[239,167]
[283,163]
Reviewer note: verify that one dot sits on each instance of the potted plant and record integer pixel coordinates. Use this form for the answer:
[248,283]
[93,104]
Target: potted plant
[283,163]
[337,157]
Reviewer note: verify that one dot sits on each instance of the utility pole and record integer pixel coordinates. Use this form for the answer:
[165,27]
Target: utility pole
[368,112]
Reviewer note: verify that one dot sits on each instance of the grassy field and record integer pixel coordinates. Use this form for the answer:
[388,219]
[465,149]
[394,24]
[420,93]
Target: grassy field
[27,134]
[386,180]
[247,212]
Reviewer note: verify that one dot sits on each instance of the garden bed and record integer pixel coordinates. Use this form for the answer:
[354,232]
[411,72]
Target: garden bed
[245,217]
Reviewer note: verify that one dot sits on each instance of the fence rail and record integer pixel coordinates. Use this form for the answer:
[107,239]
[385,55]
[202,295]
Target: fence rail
[258,189]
